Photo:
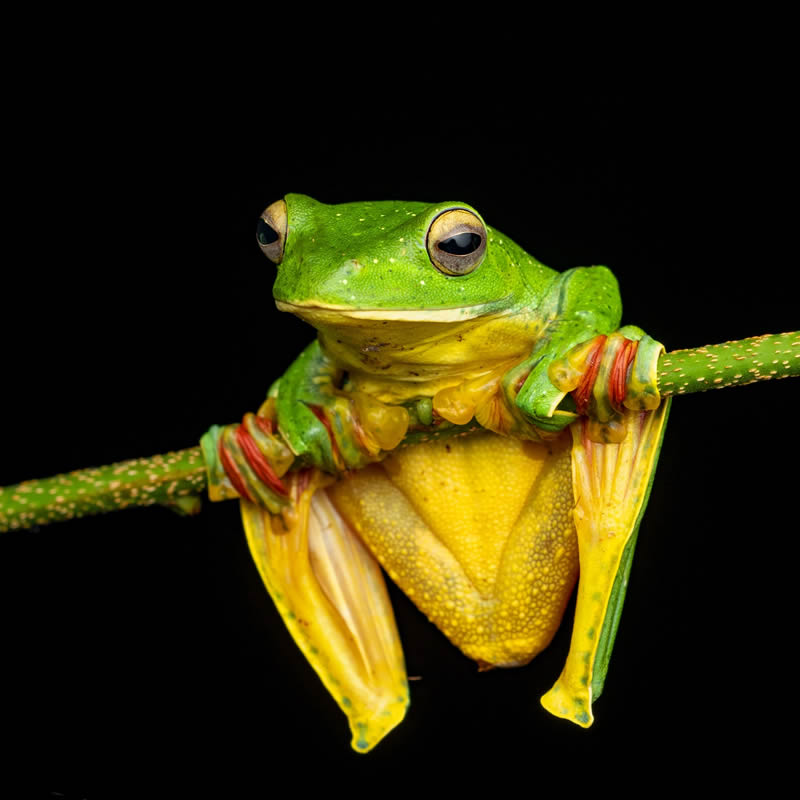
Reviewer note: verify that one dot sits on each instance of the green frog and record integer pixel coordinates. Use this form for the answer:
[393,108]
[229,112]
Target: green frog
[470,420]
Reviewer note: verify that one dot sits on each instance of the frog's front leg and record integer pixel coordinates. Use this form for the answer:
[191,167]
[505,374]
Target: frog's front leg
[581,304]
[328,427]
[307,420]
[581,351]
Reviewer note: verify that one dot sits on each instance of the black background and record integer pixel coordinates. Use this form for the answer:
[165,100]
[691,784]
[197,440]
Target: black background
[140,649]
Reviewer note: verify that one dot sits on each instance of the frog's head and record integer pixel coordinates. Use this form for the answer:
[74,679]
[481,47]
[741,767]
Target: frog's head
[386,261]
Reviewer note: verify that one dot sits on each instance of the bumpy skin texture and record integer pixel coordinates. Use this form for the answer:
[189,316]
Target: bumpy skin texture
[401,329]
[374,256]
[428,318]
[479,533]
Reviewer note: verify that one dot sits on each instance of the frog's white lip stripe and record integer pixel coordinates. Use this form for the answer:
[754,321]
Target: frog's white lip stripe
[391,314]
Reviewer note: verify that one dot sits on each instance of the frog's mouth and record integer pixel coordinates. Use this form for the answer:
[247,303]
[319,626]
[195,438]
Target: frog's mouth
[331,314]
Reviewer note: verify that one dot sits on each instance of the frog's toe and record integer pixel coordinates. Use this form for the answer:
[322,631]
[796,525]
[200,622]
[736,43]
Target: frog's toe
[642,384]
[539,400]
[607,374]
[360,428]
[573,706]
[330,592]
[248,461]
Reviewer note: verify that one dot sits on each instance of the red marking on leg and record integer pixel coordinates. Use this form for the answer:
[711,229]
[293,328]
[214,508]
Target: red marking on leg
[264,424]
[359,433]
[618,377]
[303,480]
[232,471]
[614,395]
[521,381]
[257,460]
[320,415]
[583,393]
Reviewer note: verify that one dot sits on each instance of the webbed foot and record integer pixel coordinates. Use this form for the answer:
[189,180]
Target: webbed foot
[249,460]
[348,431]
[605,375]
[326,585]
[330,428]
[359,428]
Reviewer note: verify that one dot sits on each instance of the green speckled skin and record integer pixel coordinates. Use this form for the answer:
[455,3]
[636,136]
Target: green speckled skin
[172,479]
[583,303]
[373,259]
[716,366]
[373,255]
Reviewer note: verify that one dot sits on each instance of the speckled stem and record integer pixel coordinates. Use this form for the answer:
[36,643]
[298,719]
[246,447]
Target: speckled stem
[716,366]
[173,479]
[176,479]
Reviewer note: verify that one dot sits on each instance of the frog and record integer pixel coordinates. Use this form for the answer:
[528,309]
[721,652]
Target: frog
[467,420]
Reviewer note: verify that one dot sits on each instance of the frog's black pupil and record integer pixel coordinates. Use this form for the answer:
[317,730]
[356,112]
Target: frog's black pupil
[461,244]
[265,233]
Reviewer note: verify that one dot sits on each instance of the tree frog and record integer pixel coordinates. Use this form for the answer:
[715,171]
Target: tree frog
[431,326]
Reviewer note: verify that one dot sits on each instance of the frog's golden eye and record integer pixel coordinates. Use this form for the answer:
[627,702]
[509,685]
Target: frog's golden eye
[456,242]
[271,231]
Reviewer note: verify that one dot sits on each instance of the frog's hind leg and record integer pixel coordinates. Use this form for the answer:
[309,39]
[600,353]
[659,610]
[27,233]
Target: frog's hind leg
[331,594]
[611,484]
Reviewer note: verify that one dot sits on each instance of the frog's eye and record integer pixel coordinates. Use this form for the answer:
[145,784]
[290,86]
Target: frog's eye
[271,231]
[456,242]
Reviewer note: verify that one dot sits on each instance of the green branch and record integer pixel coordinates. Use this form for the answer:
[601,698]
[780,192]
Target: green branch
[176,479]
[716,366]
[173,479]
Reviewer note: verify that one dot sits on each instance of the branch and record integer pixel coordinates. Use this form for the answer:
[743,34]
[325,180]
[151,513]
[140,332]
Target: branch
[716,366]
[176,479]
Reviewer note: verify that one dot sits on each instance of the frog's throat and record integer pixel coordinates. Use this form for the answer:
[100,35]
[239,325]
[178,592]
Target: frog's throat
[317,314]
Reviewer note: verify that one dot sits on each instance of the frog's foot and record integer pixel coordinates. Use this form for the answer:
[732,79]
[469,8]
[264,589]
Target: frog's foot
[479,398]
[528,389]
[248,461]
[606,375]
[326,585]
[611,484]
[331,594]
[360,429]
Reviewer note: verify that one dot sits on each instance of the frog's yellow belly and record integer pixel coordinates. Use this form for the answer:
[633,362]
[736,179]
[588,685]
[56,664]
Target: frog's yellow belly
[478,532]
[483,534]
